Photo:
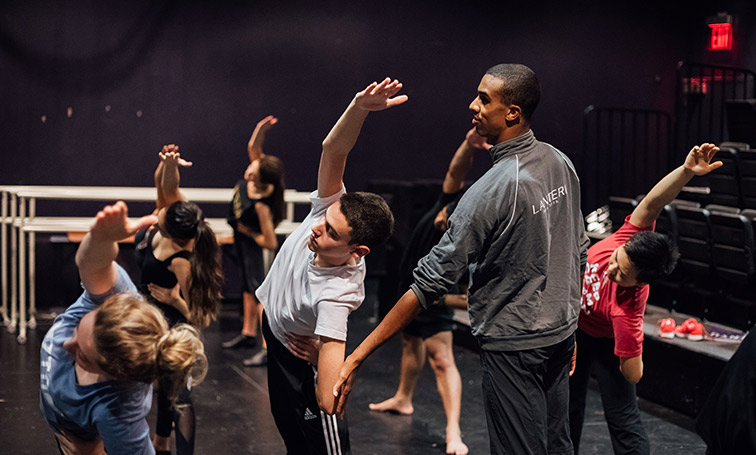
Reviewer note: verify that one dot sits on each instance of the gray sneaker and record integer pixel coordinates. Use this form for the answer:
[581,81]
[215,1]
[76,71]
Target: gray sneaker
[240,341]
[260,359]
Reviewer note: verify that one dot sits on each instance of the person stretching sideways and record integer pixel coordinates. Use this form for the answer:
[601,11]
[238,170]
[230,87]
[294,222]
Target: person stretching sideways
[315,282]
[519,232]
[181,275]
[100,357]
[615,290]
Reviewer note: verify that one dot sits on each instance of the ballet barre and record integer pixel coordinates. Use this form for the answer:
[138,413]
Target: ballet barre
[19,213]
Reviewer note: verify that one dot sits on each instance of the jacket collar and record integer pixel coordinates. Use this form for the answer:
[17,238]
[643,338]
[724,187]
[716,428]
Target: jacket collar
[512,146]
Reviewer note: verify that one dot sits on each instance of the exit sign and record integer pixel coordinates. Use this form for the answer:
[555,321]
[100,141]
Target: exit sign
[720,32]
[721,37]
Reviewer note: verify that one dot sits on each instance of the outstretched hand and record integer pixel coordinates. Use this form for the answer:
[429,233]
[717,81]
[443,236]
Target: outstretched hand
[476,141]
[265,124]
[378,96]
[170,155]
[112,224]
[699,159]
[343,386]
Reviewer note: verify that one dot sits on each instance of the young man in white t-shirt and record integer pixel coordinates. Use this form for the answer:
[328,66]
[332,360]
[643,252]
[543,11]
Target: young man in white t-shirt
[314,283]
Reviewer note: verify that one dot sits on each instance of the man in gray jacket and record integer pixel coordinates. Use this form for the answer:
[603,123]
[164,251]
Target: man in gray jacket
[520,232]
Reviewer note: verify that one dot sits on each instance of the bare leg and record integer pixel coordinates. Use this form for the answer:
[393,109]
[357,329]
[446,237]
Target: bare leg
[260,358]
[161,443]
[259,310]
[250,326]
[413,359]
[69,444]
[251,315]
[441,358]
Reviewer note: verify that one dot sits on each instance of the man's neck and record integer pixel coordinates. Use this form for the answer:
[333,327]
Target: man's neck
[511,133]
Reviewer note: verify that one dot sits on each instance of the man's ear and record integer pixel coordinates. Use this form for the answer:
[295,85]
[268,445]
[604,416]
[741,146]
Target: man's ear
[514,113]
[360,251]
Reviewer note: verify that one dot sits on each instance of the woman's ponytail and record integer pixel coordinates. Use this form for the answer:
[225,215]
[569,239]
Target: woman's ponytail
[183,222]
[206,276]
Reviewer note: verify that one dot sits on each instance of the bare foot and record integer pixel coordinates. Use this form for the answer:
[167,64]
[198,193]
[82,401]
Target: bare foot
[454,444]
[395,405]
[161,443]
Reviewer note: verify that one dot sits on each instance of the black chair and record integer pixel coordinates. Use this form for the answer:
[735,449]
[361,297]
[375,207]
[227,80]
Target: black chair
[747,162]
[716,208]
[694,240]
[725,181]
[666,223]
[665,291]
[732,247]
[733,265]
[749,213]
[695,271]
[619,209]
[685,202]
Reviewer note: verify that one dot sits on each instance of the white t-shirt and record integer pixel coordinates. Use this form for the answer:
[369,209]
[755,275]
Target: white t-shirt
[304,299]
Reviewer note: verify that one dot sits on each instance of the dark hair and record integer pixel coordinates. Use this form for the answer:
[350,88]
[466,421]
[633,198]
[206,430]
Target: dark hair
[653,255]
[369,216]
[272,173]
[520,86]
[184,221]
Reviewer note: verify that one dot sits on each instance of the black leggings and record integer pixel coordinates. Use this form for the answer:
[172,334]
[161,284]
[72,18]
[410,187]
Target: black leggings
[182,419]
[596,355]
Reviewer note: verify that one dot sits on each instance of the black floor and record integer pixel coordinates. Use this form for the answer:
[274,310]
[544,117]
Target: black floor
[233,413]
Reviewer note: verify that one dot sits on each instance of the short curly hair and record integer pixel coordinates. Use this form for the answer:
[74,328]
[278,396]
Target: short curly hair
[369,216]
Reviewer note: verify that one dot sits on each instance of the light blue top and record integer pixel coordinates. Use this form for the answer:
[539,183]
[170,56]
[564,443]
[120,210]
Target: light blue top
[115,412]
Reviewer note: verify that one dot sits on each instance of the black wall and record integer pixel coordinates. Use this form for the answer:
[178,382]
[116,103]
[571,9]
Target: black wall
[140,74]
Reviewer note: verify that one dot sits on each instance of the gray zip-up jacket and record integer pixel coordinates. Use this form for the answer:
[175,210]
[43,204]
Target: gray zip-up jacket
[520,232]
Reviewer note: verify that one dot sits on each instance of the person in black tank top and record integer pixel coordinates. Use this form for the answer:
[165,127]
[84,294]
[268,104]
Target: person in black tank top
[256,208]
[155,271]
[185,285]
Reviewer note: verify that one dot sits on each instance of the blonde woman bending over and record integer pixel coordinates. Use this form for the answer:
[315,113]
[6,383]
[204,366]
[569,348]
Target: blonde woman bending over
[100,357]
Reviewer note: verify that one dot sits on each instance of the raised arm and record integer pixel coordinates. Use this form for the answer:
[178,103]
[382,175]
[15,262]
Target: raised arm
[160,201]
[255,144]
[343,135]
[462,161]
[171,161]
[698,162]
[99,248]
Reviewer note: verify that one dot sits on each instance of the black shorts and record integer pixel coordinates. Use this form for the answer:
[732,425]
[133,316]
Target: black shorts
[430,321]
[304,427]
[250,257]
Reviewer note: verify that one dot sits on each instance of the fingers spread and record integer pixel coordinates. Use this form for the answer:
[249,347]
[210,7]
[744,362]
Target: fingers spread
[379,88]
[368,89]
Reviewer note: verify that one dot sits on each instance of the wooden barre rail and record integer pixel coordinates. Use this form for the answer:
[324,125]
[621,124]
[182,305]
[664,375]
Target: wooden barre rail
[19,213]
